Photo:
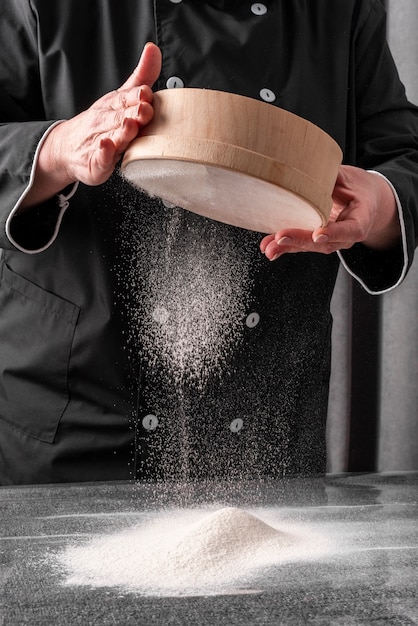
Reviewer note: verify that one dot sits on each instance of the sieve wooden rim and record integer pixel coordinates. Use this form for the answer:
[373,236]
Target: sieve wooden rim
[244,135]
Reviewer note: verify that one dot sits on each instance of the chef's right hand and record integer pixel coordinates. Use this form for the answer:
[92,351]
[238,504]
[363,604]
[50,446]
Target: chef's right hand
[87,147]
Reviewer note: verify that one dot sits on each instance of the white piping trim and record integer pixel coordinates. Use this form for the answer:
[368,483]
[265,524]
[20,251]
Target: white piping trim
[404,246]
[62,201]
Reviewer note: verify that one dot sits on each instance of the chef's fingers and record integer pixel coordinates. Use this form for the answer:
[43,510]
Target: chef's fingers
[326,240]
[148,69]
[124,99]
[122,135]
[265,242]
[106,156]
[109,114]
[133,100]
[110,150]
[342,234]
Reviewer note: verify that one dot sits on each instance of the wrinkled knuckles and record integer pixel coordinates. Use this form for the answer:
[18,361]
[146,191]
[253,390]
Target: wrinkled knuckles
[119,118]
[122,100]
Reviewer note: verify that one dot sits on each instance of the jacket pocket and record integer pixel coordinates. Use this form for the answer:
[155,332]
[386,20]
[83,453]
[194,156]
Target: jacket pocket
[36,334]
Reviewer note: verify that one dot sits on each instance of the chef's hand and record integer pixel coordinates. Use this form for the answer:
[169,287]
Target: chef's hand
[87,147]
[364,210]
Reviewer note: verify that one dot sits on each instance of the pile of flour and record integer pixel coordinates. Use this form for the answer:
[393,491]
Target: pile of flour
[184,553]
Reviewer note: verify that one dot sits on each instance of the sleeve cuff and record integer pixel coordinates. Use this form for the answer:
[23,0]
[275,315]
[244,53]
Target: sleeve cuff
[379,271]
[34,230]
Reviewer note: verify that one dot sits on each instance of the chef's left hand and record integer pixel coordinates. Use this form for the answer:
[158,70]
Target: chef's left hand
[364,210]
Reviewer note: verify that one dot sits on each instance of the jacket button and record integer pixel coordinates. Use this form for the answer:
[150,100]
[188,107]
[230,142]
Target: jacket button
[174,82]
[252,319]
[258,8]
[236,425]
[150,422]
[267,95]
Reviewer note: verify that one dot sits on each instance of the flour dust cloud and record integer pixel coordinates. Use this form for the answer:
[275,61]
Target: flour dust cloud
[187,305]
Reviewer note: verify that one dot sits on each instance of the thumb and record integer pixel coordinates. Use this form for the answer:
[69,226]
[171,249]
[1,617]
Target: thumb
[148,69]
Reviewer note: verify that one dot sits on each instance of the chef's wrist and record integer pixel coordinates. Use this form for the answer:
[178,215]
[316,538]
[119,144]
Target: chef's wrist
[50,175]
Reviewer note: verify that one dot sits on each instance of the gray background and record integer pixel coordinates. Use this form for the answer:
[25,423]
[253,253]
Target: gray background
[397,433]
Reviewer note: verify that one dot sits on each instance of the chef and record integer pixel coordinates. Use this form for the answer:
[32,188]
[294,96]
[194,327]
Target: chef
[140,341]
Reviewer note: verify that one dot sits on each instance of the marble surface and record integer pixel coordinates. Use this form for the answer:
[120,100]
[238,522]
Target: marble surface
[367,575]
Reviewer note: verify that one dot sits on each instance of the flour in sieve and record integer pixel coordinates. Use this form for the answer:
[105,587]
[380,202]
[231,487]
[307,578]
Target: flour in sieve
[187,552]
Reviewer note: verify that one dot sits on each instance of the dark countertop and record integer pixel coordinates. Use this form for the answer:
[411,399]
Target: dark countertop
[369,576]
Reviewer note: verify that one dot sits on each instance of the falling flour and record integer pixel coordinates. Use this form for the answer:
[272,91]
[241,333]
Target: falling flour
[186,553]
[214,390]
[186,315]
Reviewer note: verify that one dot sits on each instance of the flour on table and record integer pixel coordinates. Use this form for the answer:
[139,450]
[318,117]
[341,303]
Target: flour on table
[184,553]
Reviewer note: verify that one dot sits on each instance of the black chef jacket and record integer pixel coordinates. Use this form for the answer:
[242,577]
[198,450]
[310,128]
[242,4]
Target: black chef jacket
[139,340]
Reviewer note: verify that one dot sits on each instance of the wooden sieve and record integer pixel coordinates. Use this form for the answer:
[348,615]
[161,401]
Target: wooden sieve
[236,160]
